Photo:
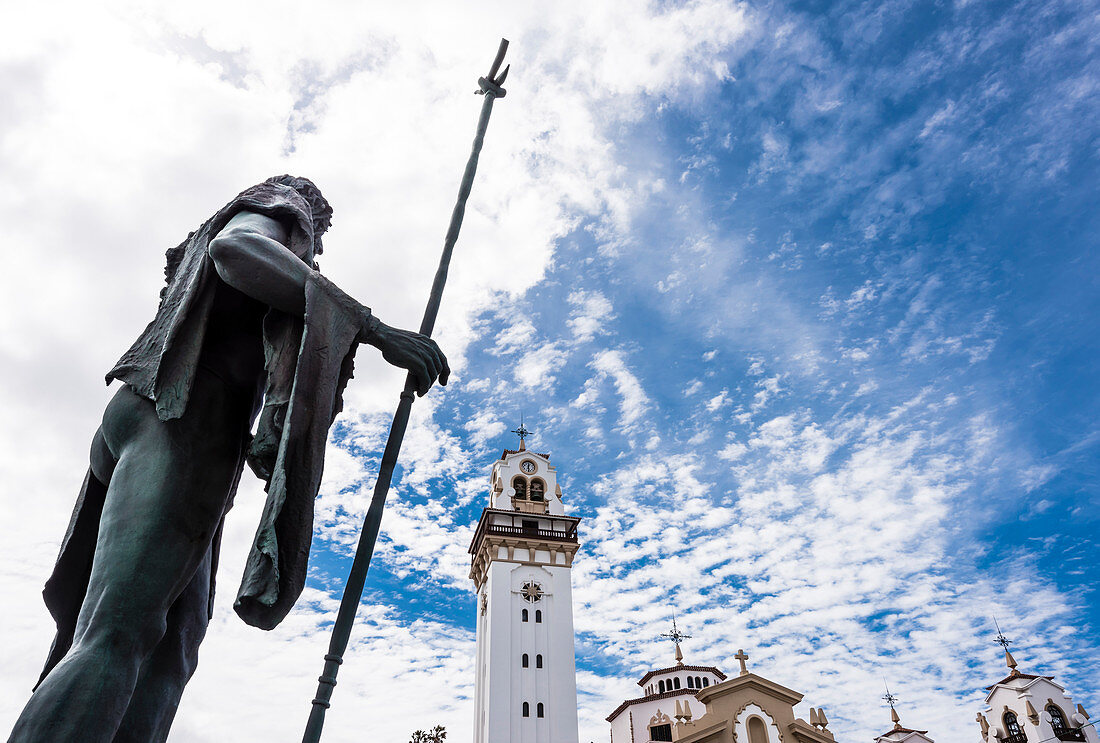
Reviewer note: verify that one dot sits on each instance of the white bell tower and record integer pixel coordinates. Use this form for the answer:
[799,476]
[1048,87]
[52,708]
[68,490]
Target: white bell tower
[521,554]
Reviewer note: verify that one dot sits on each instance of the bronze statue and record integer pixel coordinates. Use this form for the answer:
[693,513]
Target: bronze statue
[246,327]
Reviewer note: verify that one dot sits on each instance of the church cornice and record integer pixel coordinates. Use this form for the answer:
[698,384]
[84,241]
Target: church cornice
[651,674]
[507,452]
[649,698]
[894,731]
[802,730]
[707,732]
[781,693]
[1018,676]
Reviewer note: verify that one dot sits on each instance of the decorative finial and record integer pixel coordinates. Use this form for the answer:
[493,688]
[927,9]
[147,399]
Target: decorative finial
[742,657]
[890,699]
[1005,642]
[523,433]
[676,636]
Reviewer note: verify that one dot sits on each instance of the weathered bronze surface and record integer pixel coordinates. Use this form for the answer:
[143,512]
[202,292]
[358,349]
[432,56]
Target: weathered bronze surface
[246,327]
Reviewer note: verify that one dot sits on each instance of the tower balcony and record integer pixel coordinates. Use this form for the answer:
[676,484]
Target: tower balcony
[519,536]
[529,530]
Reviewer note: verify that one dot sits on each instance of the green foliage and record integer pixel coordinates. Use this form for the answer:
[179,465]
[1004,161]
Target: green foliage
[435,735]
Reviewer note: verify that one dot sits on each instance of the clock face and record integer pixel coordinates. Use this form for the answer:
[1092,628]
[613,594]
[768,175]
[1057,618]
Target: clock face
[531,592]
[528,466]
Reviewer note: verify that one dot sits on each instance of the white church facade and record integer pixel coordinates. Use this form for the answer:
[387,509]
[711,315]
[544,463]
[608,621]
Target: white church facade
[521,556]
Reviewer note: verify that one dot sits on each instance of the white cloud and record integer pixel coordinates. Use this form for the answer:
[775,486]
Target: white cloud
[633,401]
[536,369]
[590,313]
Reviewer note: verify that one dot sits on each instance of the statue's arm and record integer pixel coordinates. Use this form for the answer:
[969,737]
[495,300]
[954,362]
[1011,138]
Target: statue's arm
[250,254]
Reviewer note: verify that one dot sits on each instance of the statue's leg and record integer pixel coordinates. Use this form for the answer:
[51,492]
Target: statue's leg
[166,672]
[166,497]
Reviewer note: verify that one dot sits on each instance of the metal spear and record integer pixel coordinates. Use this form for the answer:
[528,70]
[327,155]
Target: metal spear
[490,87]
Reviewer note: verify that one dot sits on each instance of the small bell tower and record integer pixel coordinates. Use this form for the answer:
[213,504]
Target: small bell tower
[1026,707]
[521,559]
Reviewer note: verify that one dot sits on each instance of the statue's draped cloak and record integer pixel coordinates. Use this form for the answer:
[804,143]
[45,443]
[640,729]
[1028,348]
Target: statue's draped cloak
[308,362]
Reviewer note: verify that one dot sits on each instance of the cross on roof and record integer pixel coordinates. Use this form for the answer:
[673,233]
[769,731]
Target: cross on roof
[1001,639]
[676,636]
[1005,642]
[742,657]
[890,698]
[522,431]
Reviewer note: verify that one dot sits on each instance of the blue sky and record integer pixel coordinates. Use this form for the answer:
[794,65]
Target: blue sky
[800,297]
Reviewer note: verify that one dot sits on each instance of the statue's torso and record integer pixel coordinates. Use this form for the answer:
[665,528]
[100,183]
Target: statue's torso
[232,347]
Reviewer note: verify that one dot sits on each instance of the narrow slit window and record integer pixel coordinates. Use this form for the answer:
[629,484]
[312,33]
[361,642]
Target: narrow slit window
[526,661]
[538,661]
[526,709]
[539,710]
[525,615]
[538,616]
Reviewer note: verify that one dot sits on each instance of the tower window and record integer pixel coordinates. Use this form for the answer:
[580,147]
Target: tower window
[706,683]
[525,661]
[676,683]
[539,710]
[520,486]
[526,709]
[530,526]
[538,661]
[691,682]
[525,615]
[1012,728]
[1057,718]
[661,686]
[538,616]
[698,683]
[538,490]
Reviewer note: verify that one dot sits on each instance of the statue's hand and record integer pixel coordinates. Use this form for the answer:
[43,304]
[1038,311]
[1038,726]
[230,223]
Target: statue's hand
[413,351]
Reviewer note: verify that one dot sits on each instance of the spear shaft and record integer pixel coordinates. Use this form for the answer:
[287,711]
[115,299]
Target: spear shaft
[490,87]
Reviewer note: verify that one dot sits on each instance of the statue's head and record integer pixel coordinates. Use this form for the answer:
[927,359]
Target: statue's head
[322,211]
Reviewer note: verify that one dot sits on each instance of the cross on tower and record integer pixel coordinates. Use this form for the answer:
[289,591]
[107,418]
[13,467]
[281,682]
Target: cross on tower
[522,432]
[1001,639]
[676,636]
[1005,642]
[890,699]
